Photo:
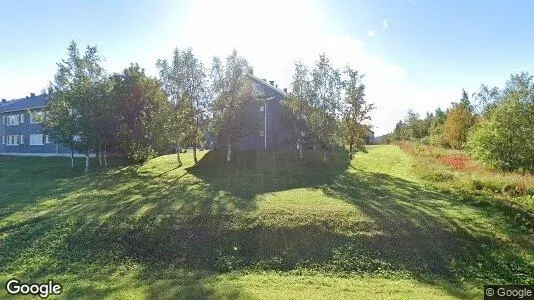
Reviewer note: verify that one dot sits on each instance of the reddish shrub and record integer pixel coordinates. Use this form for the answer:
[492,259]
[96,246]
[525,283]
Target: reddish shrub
[459,162]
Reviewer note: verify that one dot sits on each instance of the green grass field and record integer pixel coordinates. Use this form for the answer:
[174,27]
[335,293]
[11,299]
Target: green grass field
[265,226]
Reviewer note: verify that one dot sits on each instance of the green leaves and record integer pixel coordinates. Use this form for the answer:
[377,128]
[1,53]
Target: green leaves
[324,107]
[354,124]
[185,81]
[505,139]
[76,100]
[142,114]
[316,103]
[232,92]
[456,127]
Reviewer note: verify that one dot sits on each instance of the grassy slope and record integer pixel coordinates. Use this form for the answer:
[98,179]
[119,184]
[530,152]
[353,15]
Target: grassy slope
[265,226]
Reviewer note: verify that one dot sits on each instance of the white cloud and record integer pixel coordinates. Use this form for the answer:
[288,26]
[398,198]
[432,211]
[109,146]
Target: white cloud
[385,24]
[371,33]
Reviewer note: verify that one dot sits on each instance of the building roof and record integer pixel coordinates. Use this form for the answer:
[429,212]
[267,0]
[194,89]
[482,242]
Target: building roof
[268,85]
[23,103]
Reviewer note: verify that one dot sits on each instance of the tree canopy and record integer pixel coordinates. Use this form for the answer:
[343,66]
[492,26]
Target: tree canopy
[139,117]
[233,92]
[76,101]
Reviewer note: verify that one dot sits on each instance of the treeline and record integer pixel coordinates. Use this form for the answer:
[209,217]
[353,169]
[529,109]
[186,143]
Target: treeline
[138,116]
[495,126]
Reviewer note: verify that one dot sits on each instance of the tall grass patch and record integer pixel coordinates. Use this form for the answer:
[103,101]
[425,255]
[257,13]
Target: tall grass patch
[454,169]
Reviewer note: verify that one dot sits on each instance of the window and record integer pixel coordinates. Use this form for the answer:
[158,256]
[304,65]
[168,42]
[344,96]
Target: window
[3,120]
[13,120]
[22,118]
[3,140]
[36,116]
[36,139]
[262,133]
[262,108]
[13,140]
[21,140]
[47,139]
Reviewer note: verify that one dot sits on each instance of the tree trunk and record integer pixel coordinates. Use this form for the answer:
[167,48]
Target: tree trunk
[71,159]
[99,153]
[105,157]
[350,151]
[324,158]
[300,150]
[178,157]
[86,163]
[229,152]
[195,121]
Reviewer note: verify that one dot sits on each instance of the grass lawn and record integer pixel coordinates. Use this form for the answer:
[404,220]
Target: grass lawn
[266,225]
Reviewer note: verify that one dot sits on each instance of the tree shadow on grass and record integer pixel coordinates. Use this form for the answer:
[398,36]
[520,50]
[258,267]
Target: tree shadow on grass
[437,235]
[253,173]
[25,181]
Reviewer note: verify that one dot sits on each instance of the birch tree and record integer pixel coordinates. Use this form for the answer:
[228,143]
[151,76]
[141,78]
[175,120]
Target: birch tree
[356,111]
[78,87]
[232,91]
[185,80]
[325,93]
[60,122]
[297,107]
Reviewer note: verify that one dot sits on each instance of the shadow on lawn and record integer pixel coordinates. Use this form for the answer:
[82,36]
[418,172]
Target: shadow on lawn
[25,181]
[431,233]
[252,173]
[175,220]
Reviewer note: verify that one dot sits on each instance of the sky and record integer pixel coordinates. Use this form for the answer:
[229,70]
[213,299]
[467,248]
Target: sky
[415,54]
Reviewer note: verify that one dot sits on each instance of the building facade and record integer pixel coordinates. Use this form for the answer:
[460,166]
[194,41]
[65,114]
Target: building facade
[269,132]
[273,133]
[21,131]
[370,137]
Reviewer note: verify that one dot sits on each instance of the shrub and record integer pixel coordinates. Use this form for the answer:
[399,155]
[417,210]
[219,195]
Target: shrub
[459,121]
[455,169]
[503,141]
